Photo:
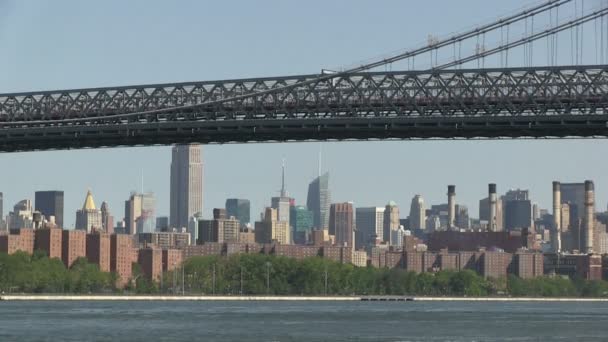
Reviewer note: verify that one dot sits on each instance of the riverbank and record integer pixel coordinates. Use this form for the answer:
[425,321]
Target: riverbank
[290,298]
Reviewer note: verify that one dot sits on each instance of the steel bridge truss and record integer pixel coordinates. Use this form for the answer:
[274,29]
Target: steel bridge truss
[483,103]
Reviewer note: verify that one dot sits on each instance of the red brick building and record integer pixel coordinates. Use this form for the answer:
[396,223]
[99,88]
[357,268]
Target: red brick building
[495,265]
[528,265]
[98,250]
[473,241]
[18,240]
[73,246]
[172,259]
[151,263]
[121,250]
[49,241]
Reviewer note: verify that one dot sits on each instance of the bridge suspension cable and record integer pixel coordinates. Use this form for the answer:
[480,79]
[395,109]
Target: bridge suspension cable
[576,23]
[436,44]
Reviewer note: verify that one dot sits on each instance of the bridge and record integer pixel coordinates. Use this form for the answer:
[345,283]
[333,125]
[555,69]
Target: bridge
[444,100]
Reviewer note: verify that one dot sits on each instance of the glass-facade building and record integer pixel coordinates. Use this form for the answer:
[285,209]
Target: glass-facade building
[50,203]
[302,223]
[240,209]
[319,200]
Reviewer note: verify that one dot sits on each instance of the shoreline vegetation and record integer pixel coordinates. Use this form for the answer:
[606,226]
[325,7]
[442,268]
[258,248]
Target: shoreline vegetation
[265,277]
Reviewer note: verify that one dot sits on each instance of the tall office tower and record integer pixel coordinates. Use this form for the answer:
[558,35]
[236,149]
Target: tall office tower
[21,216]
[518,215]
[89,217]
[50,203]
[557,218]
[107,221]
[186,184]
[146,222]
[492,200]
[239,208]
[535,212]
[319,200]
[574,195]
[282,203]
[369,224]
[391,220]
[140,213]
[451,206]
[341,222]
[516,195]
[417,214]
[301,222]
[589,216]
[162,224]
[271,229]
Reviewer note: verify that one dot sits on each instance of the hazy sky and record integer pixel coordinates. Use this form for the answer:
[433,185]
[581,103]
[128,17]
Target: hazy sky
[71,44]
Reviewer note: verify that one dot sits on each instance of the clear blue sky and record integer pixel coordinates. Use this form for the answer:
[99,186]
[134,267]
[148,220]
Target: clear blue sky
[70,44]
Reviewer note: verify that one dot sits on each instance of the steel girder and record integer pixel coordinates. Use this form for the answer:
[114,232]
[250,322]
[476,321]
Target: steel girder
[536,102]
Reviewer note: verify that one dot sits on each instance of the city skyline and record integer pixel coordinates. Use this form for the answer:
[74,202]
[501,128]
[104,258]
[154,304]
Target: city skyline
[434,194]
[382,171]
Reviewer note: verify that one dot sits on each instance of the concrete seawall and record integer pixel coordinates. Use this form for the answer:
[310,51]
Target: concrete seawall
[288,298]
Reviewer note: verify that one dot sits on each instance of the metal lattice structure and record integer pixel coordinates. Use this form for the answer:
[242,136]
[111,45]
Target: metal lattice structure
[485,103]
[355,103]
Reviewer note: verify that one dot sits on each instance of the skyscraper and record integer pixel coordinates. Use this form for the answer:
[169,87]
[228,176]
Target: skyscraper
[240,209]
[369,223]
[301,222]
[391,220]
[341,223]
[107,220]
[319,200]
[282,203]
[89,217]
[140,213]
[50,203]
[417,214]
[186,184]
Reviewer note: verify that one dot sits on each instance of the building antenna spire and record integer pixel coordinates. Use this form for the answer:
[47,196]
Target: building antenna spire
[320,152]
[283,192]
[142,181]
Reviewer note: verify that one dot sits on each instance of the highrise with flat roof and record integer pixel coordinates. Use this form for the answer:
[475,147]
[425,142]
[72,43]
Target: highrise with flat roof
[240,209]
[341,223]
[186,184]
[417,214]
[50,203]
[369,226]
[391,220]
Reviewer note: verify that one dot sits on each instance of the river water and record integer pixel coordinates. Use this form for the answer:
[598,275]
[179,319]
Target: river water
[302,321]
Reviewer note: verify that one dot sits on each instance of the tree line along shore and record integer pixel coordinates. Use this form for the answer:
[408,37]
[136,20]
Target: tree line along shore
[262,275]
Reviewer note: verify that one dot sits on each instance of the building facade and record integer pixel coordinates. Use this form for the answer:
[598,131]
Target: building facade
[369,226]
[89,217]
[341,224]
[391,220]
[50,203]
[186,196]
[417,214]
[319,200]
[240,209]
